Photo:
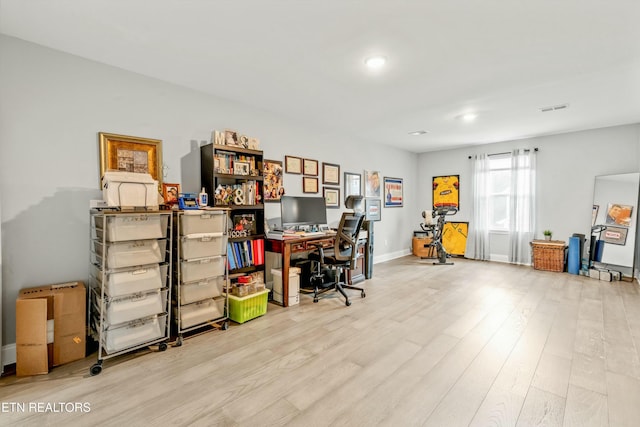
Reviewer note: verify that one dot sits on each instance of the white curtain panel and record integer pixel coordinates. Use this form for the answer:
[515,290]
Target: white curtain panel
[522,199]
[478,244]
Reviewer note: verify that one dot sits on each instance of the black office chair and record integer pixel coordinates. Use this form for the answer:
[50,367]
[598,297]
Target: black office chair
[339,259]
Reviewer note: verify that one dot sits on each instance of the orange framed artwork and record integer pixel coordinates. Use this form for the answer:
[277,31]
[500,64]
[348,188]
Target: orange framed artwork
[130,154]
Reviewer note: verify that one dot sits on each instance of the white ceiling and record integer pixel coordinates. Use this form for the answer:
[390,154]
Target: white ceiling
[303,59]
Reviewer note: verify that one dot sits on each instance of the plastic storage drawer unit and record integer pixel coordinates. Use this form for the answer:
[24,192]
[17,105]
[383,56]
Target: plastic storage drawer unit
[130,254]
[132,280]
[202,245]
[132,227]
[199,312]
[196,291]
[194,222]
[199,269]
[134,333]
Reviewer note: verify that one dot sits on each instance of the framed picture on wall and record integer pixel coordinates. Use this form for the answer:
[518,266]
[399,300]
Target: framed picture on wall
[372,209]
[309,184]
[615,235]
[310,167]
[330,173]
[352,185]
[331,197]
[372,184]
[446,191]
[273,187]
[292,164]
[618,214]
[392,192]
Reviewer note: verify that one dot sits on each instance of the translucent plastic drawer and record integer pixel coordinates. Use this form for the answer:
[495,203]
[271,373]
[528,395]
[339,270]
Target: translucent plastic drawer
[130,254]
[131,227]
[127,308]
[197,291]
[200,312]
[133,279]
[202,245]
[192,222]
[134,333]
[198,269]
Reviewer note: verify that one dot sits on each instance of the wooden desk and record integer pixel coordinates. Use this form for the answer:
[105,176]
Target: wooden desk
[291,246]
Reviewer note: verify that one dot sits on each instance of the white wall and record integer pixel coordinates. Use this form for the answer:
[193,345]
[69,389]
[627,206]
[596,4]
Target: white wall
[54,104]
[567,165]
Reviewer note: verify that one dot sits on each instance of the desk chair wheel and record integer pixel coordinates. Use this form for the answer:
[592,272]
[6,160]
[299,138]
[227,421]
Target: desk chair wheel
[362,294]
[347,303]
[315,300]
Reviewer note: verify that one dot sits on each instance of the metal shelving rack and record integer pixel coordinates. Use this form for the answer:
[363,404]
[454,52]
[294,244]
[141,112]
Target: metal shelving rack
[201,271]
[130,281]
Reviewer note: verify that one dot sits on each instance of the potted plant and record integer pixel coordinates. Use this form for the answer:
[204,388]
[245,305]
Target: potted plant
[547,234]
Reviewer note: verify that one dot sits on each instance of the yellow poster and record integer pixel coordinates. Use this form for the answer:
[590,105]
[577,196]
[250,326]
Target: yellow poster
[454,237]
[446,191]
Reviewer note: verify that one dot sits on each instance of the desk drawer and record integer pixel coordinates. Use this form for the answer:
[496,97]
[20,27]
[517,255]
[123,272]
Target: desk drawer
[298,247]
[326,243]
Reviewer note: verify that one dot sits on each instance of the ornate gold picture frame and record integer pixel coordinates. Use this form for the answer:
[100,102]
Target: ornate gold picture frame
[131,154]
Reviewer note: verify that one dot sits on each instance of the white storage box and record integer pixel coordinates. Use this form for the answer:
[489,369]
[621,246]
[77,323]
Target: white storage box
[199,269]
[199,221]
[127,308]
[202,245]
[132,253]
[197,291]
[294,285]
[200,312]
[129,189]
[134,333]
[132,227]
[132,280]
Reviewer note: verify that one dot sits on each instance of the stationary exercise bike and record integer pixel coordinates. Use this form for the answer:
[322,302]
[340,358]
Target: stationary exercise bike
[441,212]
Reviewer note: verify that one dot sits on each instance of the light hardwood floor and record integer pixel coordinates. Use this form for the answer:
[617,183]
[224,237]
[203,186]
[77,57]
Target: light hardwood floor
[473,344]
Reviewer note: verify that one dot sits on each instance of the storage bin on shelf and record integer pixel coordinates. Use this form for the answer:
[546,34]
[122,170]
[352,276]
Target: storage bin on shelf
[126,308]
[201,311]
[131,280]
[548,255]
[197,221]
[242,309]
[203,289]
[202,268]
[136,332]
[132,227]
[130,253]
[202,245]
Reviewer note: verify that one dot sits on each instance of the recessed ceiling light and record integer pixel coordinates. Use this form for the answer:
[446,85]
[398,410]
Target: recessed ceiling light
[418,132]
[554,108]
[469,117]
[375,61]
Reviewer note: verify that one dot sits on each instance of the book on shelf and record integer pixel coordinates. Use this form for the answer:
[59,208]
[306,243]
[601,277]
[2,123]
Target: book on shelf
[246,253]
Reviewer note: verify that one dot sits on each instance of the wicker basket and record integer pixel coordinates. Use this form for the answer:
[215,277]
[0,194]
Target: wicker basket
[548,255]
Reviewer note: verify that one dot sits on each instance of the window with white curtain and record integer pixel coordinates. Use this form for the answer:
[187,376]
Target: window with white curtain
[504,197]
[498,184]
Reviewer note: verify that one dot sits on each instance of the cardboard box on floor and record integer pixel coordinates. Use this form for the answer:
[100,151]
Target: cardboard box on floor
[62,306]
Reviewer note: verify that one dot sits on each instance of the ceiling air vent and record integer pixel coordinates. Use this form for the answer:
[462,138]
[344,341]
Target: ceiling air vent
[554,108]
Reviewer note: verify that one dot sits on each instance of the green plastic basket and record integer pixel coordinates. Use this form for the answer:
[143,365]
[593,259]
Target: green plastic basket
[242,309]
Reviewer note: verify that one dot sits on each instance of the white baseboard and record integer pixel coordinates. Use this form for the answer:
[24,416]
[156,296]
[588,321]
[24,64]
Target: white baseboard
[9,354]
[498,258]
[390,256]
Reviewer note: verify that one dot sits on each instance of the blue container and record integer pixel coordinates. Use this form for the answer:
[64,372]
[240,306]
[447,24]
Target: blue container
[573,262]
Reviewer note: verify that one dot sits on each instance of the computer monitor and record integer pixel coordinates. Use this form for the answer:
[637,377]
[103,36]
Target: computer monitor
[296,211]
